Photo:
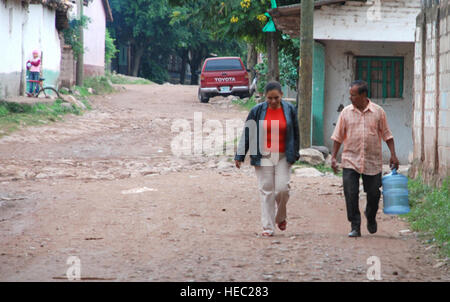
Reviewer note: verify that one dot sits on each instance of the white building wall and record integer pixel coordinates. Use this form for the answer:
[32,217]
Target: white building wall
[40,33]
[94,38]
[339,74]
[374,20]
[24,30]
[12,17]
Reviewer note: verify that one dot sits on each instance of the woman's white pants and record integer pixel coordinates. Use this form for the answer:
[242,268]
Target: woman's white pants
[273,184]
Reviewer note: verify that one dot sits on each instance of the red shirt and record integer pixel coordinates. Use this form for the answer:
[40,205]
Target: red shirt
[276,143]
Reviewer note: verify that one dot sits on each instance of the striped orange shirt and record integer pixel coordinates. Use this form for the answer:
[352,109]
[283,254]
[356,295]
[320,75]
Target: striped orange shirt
[361,133]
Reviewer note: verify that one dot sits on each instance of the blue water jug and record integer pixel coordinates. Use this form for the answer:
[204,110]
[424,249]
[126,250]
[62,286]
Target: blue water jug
[395,193]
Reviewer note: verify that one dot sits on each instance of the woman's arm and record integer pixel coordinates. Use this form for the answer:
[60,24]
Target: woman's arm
[36,63]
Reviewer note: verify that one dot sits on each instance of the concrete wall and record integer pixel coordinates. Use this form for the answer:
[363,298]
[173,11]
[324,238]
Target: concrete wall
[374,20]
[340,72]
[23,30]
[432,94]
[94,39]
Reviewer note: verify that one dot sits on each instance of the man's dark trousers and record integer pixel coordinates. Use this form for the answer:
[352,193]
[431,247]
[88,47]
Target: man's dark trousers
[372,184]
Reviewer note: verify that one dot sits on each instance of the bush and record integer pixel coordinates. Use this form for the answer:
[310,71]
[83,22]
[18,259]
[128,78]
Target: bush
[248,105]
[110,47]
[3,110]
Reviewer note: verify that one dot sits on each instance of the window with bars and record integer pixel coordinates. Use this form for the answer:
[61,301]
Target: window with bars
[384,76]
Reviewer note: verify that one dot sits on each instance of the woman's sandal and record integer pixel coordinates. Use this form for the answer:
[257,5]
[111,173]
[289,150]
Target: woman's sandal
[282,225]
[266,234]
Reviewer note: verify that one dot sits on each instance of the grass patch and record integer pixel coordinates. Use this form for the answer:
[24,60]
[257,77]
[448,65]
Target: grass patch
[87,104]
[83,91]
[116,78]
[430,212]
[100,84]
[14,116]
[247,105]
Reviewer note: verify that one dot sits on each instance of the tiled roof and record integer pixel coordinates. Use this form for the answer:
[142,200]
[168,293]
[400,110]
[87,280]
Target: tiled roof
[62,5]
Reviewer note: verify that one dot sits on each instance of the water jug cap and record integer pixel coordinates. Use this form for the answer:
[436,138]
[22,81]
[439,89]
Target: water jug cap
[394,171]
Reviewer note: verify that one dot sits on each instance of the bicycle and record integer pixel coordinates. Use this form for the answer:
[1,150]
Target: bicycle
[42,89]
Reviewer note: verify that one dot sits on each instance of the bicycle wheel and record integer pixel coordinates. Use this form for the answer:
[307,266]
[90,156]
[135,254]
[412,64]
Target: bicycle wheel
[47,90]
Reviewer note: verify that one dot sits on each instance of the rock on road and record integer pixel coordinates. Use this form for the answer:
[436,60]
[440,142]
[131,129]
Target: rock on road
[106,188]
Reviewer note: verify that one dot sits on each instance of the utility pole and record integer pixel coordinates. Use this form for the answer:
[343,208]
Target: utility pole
[273,73]
[306,72]
[80,59]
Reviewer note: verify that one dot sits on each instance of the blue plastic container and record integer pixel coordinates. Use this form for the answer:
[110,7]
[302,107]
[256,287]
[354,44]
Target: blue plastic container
[395,194]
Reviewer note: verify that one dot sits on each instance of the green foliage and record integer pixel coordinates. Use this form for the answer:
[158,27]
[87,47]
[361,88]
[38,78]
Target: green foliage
[262,70]
[242,19]
[145,26]
[430,212]
[247,104]
[110,47]
[156,70]
[288,58]
[72,34]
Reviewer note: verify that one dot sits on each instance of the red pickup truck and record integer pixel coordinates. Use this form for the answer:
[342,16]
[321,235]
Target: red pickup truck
[223,76]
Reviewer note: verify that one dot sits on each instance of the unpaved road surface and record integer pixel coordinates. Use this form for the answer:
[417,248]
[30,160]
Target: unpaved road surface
[106,188]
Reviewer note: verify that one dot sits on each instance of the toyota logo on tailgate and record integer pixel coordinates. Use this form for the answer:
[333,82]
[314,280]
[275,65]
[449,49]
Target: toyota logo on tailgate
[221,80]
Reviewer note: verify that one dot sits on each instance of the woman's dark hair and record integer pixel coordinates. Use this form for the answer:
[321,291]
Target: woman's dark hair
[273,86]
[362,87]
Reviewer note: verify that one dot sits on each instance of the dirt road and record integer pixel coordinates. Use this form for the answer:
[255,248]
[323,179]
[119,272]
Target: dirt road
[106,188]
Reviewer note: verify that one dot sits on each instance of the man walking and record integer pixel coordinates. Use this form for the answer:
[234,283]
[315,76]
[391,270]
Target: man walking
[360,127]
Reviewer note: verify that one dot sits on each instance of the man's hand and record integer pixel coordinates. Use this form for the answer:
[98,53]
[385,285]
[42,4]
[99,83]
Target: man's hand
[238,164]
[334,165]
[393,162]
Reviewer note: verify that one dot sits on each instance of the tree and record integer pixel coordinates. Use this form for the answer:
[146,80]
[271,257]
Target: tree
[197,41]
[155,31]
[239,19]
[145,25]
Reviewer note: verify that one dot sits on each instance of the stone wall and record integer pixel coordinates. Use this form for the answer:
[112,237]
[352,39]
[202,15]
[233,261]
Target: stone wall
[431,129]
[67,75]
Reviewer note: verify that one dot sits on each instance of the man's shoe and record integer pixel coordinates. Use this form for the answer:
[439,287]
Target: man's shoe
[354,233]
[372,227]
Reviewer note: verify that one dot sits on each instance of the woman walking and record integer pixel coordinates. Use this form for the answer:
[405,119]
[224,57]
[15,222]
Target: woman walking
[271,135]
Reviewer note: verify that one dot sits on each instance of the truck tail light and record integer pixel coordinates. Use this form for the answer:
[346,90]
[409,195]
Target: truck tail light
[202,77]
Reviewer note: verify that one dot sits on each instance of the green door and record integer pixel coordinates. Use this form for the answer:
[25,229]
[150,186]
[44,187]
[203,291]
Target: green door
[318,94]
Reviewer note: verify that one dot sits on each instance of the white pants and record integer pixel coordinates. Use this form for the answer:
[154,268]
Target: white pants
[273,183]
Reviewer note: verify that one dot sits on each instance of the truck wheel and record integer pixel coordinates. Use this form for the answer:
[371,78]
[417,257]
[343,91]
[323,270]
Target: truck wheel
[202,98]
